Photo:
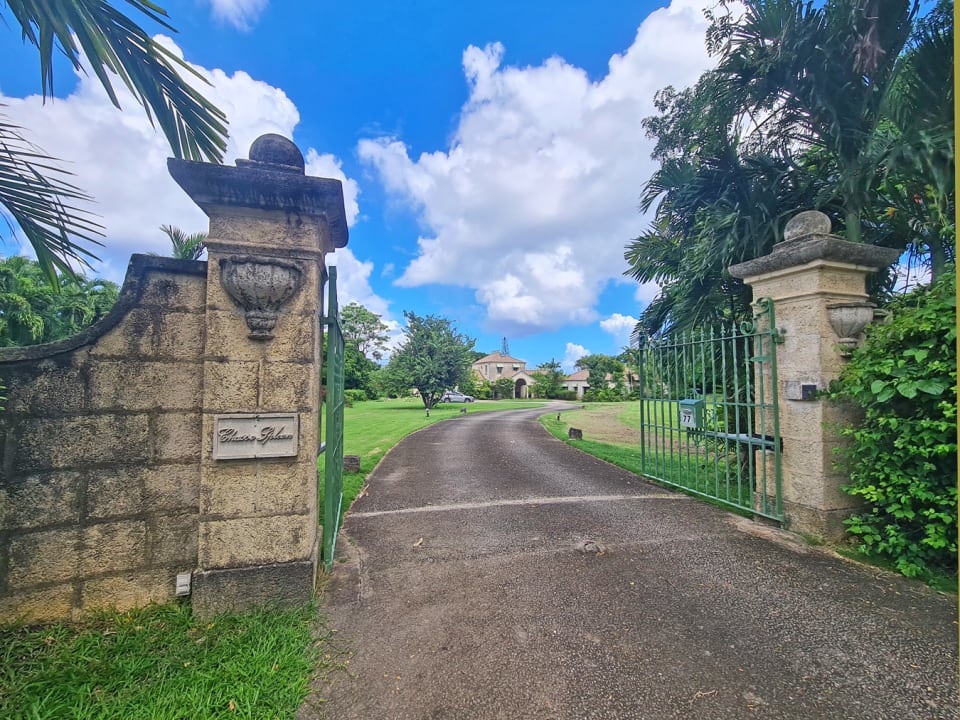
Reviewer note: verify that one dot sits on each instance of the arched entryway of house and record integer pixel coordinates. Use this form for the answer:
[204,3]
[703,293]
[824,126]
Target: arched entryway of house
[520,388]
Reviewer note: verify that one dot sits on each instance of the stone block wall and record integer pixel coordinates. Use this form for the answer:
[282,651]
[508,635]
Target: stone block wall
[114,478]
[99,471]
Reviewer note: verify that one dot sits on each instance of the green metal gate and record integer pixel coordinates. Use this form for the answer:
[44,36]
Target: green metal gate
[333,444]
[709,420]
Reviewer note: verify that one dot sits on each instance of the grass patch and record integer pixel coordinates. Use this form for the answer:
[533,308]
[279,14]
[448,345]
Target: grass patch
[373,427]
[706,479]
[159,662]
[616,454]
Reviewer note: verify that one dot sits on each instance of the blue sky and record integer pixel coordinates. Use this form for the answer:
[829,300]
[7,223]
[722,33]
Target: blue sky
[491,153]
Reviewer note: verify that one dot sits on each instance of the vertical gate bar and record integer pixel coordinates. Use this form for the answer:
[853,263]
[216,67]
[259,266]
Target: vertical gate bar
[641,379]
[664,368]
[672,386]
[699,367]
[333,465]
[655,357]
[673,373]
[686,351]
[731,396]
[711,357]
[775,402]
[760,354]
[720,405]
[683,435]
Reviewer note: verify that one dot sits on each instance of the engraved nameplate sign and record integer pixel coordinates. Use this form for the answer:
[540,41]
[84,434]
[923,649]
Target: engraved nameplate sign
[262,435]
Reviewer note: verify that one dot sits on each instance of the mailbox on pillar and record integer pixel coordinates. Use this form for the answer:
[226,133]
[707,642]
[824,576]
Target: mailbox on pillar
[691,413]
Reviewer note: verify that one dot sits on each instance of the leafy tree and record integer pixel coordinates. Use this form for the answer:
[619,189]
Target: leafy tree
[185,247]
[629,356]
[718,201]
[503,388]
[34,191]
[433,357]
[902,458]
[834,106]
[364,330]
[358,371]
[478,387]
[472,384]
[920,168]
[817,75]
[600,367]
[364,336]
[383,382]
[32,311]
[549,381]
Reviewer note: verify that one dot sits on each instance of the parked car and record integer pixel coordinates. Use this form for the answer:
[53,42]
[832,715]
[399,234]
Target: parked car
[452,396]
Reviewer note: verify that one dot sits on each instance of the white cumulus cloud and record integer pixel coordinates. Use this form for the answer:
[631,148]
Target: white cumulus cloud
[620,326]
[121,160]
[572,353]
[537,194]
[242,14]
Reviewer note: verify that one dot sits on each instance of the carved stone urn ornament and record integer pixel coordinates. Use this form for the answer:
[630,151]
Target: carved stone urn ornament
[848,320]
[260,289]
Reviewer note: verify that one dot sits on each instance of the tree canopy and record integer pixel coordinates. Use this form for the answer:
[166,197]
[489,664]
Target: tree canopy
[32,311]
[600,367]
[844,106]
[548,382]
[433,357]
[35,193]
[364,330]
[364,336]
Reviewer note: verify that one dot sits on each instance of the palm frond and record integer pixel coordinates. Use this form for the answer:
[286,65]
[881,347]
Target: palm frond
[185,247]
[44,205]
[115,45]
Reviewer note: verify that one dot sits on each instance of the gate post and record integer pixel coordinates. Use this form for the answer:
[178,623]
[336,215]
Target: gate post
[270,227]
[806,273]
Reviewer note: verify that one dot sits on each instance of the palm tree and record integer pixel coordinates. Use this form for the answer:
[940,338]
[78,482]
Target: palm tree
[921,165]
[815,75]
[185,247]
[32,311]
[34,192]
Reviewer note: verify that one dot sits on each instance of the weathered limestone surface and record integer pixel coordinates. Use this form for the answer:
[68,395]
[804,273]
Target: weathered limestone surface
[270,227]
[99,472]
[805,273]
[108,485]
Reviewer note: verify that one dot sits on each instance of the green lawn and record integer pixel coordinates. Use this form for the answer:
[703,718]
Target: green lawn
[159,662]
[687,467]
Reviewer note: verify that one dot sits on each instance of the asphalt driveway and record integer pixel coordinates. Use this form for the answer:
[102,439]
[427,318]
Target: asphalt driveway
[492,571]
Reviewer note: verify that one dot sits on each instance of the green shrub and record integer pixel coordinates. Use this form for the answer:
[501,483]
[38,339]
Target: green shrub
[902,457]
[354,396]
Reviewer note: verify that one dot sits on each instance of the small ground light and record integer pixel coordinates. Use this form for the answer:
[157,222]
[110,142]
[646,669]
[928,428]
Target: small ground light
[183,584]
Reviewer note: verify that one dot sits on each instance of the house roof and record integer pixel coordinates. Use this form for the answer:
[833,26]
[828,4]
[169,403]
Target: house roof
[499,357]
[579,375]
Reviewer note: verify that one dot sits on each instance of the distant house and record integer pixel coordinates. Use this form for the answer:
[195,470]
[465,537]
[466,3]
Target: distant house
[578,382]
[497,366]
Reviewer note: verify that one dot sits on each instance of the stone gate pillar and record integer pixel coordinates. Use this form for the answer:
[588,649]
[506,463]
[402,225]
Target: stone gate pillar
[808,276]
[270,227]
